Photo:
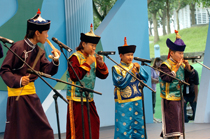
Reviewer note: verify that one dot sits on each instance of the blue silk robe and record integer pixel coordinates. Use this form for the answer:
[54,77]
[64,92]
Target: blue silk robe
[129,120]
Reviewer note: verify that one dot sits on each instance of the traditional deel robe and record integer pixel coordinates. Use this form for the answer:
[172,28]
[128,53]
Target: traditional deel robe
[87,74]
[129,120]
[171,90]
[25,117]
[171,104]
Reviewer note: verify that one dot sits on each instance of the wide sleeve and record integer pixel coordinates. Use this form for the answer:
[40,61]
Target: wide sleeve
[143,75]
[192,75]
[119,80]
[102,71]
[165,77]
[47,66]
[12,80]
[80,70]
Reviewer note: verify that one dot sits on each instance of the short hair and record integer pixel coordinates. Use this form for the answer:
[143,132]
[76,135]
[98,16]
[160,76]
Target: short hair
[30,33]
[171,51]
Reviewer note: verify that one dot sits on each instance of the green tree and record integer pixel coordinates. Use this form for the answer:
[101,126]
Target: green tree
[205,4]
[162,15]
[179,5]
[191,3]
[168,17]
[169,10]
[150,23]
[192,12]
[148,2]
[100,9]
[153,7]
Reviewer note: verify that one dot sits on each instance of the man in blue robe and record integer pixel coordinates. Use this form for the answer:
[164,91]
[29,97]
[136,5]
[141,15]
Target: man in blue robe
[129,120]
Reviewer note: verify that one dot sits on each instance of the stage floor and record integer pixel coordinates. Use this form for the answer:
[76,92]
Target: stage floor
[192,131]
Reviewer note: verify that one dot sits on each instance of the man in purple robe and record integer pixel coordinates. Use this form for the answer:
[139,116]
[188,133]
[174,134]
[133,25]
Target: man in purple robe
[25,116]
[175,66]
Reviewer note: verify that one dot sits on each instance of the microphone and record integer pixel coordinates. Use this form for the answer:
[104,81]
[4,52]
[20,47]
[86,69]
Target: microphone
[192,57]
[39,72]
[60,44]
[106,53]
[142,60]
[5,40]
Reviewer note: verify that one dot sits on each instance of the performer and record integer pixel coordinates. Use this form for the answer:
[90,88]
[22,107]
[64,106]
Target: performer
[170,88]
[155,80]
[87,67]
[129,120]
[25,117]
[190,94]
[1,51]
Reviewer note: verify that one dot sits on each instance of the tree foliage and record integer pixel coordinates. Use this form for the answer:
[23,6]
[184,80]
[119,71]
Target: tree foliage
[155,5]
[177,6]
[101,8]
[162,15]
[153,8]
[205,3]
[157,10]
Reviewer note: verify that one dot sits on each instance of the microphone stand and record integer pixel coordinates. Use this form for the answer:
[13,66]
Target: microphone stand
[181,94]
[57,94]
[202,64]
[61,81]
[140,87]
[87,100]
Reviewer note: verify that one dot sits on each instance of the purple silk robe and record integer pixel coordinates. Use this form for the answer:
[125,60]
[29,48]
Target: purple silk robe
[171,110]
[25,117]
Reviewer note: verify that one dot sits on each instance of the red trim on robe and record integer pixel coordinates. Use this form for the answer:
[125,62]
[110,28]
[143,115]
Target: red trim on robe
[94,118]
[101,71]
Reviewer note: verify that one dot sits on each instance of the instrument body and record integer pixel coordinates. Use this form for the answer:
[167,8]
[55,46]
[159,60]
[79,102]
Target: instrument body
[56,57]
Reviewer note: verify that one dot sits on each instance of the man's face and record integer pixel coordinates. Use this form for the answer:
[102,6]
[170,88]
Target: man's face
[89,48]
[127,57]
[177,55]
[41,37]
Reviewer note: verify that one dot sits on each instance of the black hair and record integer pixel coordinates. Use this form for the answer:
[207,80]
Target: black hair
[155,61]
[30,33]
[80,47]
